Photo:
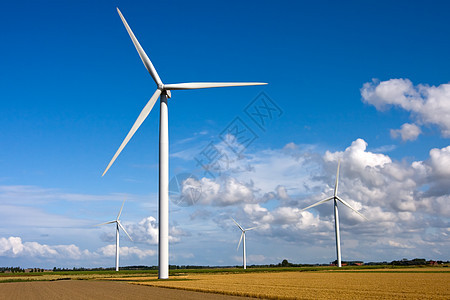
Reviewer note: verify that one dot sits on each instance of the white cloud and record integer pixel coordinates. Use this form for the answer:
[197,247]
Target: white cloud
[395,92]
[14,247]
[357,157]
[427,104]
[255,209]
[146,231]
[285,217]
[440,161]
[408,132]
[255,178]
[222,191]
[110,250]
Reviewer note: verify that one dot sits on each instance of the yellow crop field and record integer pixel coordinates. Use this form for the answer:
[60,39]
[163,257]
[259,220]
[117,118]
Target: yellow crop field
[317,285]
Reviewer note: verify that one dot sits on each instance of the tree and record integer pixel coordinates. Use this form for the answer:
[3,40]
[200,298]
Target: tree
[285,263]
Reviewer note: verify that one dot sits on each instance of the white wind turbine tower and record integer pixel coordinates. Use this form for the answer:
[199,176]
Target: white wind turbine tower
[335,199]
[118,224]
[163,91]
[244,255]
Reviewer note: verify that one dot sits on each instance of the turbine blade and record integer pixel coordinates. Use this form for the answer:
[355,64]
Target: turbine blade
[240,240]
[144,113]
[120,225]
[237,224]
[337,179]
[110,222]
[120,212]
[252,228]
[317,203]
[206,85]
[349,206]
[148,64]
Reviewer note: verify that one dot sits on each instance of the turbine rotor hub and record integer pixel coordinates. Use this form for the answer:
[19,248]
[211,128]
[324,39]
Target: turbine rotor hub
[164,91]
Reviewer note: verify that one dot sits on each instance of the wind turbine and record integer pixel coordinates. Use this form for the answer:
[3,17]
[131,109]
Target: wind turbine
[163,91]
[244,256]
[118,224]
[335,199]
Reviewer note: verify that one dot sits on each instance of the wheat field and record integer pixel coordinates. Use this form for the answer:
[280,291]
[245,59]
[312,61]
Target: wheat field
[317,285]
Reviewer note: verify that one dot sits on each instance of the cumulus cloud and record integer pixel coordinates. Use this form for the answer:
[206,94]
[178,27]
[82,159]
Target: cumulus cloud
[11,246]
[398,198]
[384,190]
[427,104]
[285,221]
[250,179]
[146,231]
[359,163]
[439,162]
[357,157]
[375,180]
[14,247]
[407,132]
[223,191]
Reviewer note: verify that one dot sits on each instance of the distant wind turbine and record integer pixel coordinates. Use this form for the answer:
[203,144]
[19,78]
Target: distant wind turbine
[336,198]
[118,224]
[244,255]
[163,91]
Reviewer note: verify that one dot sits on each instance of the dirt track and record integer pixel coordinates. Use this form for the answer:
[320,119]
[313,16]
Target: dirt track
[84,289]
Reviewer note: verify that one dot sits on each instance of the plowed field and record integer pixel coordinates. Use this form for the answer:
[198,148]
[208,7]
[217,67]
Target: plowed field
[83,289]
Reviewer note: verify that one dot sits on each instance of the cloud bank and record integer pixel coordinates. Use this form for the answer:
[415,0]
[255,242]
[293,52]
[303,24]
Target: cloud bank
[15,247]
[406,203]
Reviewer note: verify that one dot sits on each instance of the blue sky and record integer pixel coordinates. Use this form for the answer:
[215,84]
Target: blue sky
[365,82]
